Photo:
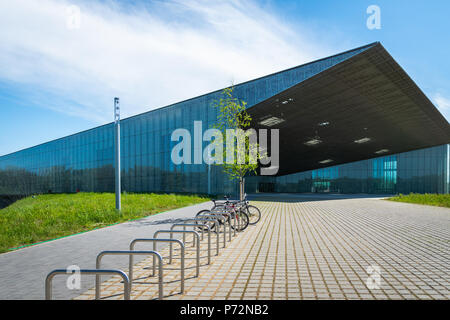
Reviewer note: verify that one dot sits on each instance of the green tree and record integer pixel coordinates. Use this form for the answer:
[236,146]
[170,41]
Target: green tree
[240,151]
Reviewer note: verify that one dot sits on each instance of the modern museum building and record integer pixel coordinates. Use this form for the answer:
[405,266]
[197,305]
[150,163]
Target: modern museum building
[354,122]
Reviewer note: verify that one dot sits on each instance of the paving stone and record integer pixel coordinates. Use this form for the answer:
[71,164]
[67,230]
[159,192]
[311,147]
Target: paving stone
[321,250]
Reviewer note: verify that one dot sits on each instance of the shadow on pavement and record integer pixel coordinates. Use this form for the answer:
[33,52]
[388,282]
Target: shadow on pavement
[308,197]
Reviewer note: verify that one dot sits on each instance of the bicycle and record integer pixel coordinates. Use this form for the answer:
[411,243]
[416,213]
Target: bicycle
[234,209]
[253,212]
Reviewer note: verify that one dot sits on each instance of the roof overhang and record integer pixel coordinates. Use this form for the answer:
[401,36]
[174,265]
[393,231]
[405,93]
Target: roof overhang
[364,107]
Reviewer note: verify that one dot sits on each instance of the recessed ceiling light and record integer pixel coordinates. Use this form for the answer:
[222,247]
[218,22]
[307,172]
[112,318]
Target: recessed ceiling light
[271,121]
[313,142]
[287,101]
[381,151]
[362,140]
[326,161]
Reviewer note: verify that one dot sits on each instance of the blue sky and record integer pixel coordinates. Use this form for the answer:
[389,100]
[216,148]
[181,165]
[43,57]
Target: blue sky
[58,78]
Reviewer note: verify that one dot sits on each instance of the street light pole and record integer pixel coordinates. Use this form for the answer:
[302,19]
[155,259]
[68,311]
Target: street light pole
[209,178]
[117,140]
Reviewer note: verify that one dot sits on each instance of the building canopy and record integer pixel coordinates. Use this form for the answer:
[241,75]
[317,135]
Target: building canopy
[363,107]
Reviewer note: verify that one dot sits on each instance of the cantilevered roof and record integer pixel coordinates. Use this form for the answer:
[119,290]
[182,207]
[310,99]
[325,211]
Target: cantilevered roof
[360,108]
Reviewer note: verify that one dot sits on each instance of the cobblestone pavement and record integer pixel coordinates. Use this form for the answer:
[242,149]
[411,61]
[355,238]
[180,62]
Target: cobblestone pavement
[23,271]
[330,249]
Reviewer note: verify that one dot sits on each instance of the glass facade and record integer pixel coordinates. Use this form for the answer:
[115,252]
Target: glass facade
[420,171]
[85,161]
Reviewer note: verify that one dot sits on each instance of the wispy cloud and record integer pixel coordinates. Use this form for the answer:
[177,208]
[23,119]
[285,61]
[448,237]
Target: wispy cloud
[443,104]
[148,54]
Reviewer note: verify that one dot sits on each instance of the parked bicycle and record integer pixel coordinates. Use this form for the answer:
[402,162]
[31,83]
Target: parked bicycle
[242,211]
[229,211]
[254,214]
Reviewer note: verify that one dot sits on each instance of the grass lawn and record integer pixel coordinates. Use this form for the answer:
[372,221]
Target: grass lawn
[50,216]
[440,200]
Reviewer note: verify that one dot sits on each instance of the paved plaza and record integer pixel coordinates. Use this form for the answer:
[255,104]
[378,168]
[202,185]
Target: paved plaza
[23,271]
[315,247]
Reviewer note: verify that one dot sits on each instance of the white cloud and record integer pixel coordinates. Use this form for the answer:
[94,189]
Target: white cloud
[149,56]
[443,104]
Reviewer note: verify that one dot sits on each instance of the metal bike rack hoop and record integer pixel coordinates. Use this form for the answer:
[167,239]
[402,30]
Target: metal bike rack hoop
[216,226]
[52,274]
[221,218]
[129,252]
[194,226]
[229,217]
[154,240]
[195,233]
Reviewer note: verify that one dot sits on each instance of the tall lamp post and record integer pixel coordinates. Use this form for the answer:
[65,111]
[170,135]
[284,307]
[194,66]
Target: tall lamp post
[209,178]
[117,139]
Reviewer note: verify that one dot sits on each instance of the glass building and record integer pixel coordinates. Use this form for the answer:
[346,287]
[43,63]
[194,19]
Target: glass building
[85,161]
[419,171]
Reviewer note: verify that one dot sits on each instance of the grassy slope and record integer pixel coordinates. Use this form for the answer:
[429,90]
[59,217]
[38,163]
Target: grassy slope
[45,217]
[441,200]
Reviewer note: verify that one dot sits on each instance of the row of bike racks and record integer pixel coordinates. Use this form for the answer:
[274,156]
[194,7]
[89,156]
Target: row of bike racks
[217,217]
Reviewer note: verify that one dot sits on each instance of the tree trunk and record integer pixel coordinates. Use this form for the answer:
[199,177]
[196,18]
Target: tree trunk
[241,188]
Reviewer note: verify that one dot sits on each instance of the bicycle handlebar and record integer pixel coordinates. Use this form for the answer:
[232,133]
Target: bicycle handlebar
[228,201]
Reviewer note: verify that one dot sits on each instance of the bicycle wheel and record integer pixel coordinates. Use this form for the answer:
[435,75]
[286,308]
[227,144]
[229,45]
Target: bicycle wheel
[209,223]
[242,221]
[254,214]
